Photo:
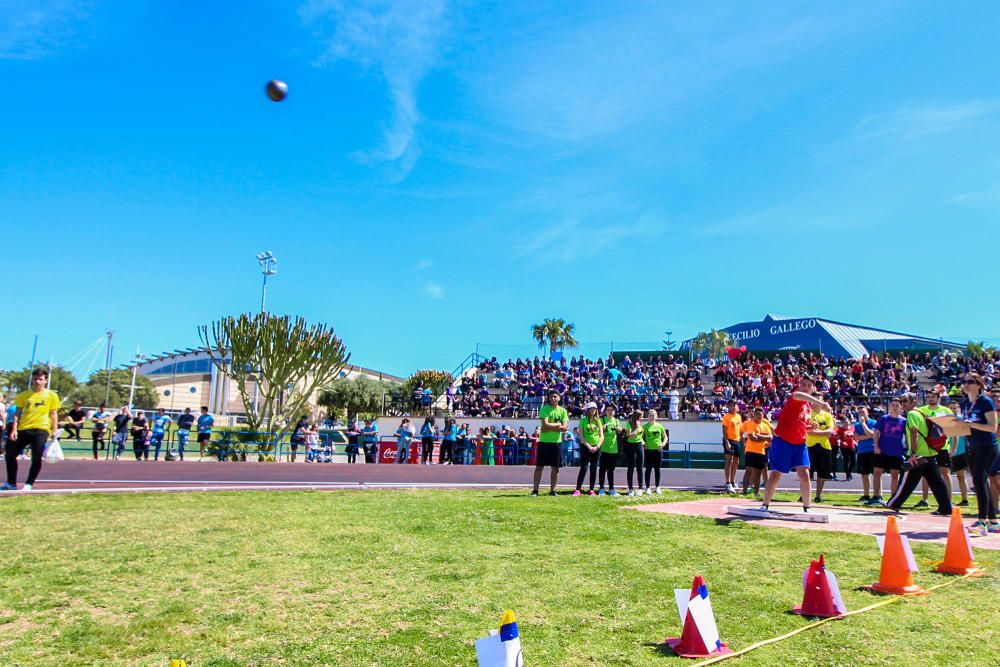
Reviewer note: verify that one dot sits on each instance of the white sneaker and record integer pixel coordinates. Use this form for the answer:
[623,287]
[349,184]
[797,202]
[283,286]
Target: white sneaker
[729,487]
[630,493]
[657,491]
[26,487]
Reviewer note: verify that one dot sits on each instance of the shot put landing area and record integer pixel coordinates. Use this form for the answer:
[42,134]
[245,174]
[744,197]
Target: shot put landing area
[915,525]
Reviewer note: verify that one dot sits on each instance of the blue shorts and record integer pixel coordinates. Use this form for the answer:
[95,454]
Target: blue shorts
[785,457]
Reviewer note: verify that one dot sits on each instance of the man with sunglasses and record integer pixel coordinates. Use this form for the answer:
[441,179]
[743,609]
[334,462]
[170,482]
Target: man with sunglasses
[924,442]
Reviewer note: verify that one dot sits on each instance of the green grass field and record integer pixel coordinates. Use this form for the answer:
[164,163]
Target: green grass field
[413,577]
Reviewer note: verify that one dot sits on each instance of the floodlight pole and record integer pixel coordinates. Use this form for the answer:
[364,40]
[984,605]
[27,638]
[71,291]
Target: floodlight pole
[267,262]
[107,369]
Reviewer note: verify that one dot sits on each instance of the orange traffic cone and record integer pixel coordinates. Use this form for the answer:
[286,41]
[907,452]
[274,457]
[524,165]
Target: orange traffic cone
[895,577]
[818,597]
[958,557]
[700,637]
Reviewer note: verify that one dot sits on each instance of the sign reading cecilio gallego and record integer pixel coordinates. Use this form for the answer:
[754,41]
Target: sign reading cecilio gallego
[743,333]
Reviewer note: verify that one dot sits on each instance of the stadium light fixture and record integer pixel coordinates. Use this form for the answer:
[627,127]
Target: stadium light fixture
[268,263]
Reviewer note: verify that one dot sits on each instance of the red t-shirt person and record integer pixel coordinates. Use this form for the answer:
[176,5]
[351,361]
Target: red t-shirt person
[793,421]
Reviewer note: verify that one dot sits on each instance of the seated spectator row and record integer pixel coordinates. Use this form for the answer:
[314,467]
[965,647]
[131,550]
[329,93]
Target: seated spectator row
[699,389]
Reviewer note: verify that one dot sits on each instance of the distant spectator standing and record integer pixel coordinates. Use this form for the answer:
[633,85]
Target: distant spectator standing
[100,427]
[184,424]
[446,455]
[591,439]
[979,412]
[732,428]
[299,434]
[674,404]
[36,419]
[161,423]
[655,438]
[205,424]
[864,432]
[369,440]
[554,422]
[890,435]
[757,434]
[120,436]
[633,452]
[353,436]
[923,444]
[427,442]
[140,435]
[959,462]
[847,445]
[609,451]
[461,444]
[404,435]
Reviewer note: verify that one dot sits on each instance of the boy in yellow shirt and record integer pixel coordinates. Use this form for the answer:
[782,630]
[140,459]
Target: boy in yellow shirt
[35,421]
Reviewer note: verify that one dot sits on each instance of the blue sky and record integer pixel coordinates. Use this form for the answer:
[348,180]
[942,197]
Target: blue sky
[446,173]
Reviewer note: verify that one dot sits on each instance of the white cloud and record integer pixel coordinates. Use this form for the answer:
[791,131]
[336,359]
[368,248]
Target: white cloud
[914,123]
[569,239]
[31,29]
[584,72]
[423,265]
[397,39]
[434,290]
[974,197]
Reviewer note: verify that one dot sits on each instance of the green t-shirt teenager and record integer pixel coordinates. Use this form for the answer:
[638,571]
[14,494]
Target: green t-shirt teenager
[554,421]
[654,435]
[590,430]
[611,426]
[552,413]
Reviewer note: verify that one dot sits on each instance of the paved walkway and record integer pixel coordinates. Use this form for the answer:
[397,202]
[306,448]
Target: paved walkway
[915,525]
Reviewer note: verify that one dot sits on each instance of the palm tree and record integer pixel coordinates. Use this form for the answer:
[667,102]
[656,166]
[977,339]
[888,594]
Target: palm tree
[555,333]
[669,345]
[975,349]
[714,342]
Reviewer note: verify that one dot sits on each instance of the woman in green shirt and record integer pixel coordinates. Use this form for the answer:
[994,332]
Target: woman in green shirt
[633,451]
[488,437]
[656,438]
[609,450]
[591,439]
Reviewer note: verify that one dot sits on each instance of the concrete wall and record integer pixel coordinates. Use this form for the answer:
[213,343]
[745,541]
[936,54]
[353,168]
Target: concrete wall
[703,435]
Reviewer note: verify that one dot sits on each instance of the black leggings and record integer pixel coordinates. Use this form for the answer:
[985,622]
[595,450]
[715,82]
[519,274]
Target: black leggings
[932,473]
[445,453]
[98,438]
[980,461]
[608,463]
[427,449]
[633,459]
[589,460]
[850,457]
[653,458]
[34,439]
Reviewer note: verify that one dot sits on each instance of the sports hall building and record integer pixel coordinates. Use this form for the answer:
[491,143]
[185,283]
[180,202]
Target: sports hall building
[189,379]
[834,339]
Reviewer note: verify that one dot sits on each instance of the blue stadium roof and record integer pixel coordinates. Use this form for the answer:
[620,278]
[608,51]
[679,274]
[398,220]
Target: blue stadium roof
[835,339]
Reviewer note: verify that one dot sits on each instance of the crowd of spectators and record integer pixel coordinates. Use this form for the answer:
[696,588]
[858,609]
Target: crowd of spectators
[700,388]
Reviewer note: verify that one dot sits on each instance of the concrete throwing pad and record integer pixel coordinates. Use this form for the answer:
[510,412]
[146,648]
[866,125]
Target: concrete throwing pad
[862,521]
[751,512]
